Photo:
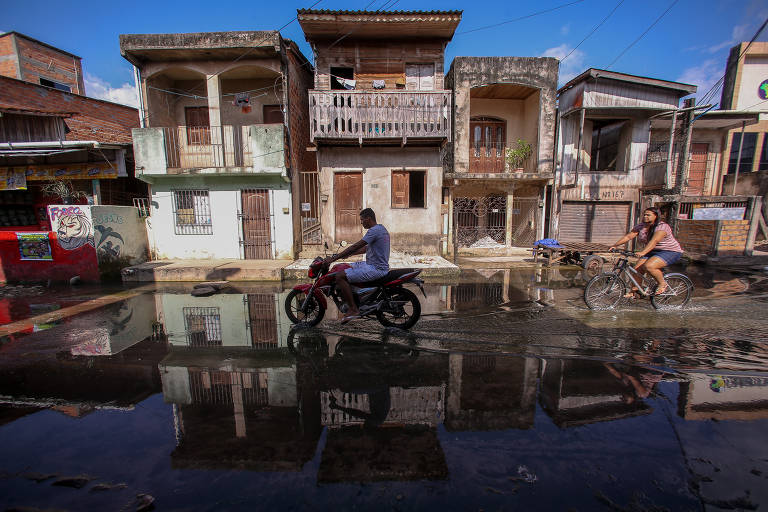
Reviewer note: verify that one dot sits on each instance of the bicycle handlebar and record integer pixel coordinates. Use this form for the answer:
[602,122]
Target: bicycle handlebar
[623,252]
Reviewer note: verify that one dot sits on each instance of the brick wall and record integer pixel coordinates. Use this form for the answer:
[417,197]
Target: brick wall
[8,64]
[37,61]
[93,119]
[698,237]
[733,237]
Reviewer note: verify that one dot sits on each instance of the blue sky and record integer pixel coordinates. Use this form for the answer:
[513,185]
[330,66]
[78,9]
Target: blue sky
[690,43]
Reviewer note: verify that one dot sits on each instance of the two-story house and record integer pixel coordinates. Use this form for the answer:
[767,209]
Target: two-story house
[380,116]
[503,106]
[222,142]
[604,124]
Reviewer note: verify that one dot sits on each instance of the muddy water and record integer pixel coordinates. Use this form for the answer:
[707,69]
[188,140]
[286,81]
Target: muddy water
[508,394]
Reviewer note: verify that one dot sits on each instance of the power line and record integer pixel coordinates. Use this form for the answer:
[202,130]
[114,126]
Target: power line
[594,30]
[643,34]
[520,18]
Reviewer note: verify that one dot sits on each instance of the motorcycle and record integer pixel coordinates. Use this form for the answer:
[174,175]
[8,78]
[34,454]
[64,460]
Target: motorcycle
[386,298]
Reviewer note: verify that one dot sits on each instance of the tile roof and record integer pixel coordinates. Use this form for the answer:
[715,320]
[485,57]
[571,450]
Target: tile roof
[370,13]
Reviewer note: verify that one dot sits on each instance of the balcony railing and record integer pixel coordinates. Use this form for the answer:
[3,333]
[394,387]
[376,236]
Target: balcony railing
[489,158]
[207,146]
[379,115]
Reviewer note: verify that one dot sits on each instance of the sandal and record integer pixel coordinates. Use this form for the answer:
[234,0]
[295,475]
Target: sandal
[632,294]
[661,289]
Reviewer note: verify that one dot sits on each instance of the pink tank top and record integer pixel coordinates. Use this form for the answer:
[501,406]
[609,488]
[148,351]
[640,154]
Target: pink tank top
[668,243]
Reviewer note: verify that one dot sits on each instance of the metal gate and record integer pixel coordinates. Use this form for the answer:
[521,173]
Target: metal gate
[257,224]
[311,233]
[480,221]
[263,319]
[524,210]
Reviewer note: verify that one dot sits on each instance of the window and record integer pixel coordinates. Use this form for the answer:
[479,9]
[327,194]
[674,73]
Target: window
[55,85]
[192,211]
[420,77]
[747,152]
[203,326]
[604,154]
[198,126]
[763,165]
[409,189]
[273,114]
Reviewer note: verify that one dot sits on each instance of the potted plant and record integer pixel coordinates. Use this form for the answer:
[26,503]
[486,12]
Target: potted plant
[517,155]
[64,190]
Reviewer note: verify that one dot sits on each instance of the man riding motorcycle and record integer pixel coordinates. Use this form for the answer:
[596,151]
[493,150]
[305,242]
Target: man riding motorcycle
[375,245]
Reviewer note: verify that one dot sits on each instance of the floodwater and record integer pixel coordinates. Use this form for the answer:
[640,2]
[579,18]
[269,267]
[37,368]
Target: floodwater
[508,394]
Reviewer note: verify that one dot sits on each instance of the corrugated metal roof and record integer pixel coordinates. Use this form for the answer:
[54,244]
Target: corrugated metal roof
[371,13]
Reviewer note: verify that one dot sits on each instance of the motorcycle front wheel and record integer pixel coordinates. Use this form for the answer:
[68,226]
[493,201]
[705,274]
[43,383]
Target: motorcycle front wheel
[401,309]
[313,314]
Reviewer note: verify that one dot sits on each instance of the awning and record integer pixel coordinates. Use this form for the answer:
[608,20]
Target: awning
[16,178]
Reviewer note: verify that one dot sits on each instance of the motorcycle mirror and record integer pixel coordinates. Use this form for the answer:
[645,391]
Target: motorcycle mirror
[343,243]
[325,244]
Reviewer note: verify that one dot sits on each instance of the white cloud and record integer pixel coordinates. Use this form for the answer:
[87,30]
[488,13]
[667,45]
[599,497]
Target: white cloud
[740,33]
[95,87]
[571,66]
[565,29]
[705,75]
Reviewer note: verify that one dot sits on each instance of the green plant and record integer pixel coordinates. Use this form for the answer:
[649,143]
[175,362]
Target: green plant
[518,154]
[64,190]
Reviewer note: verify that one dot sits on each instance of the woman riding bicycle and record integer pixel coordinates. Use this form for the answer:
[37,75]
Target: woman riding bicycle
[661,248]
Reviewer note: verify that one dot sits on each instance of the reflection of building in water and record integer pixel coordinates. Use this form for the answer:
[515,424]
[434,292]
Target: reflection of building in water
[254,320]
[421,406]
[723,397]
[239,409]
[578,392]
[490,287]
[487,392]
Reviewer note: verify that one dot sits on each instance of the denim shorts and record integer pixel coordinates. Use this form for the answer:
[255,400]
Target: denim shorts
[361,272]
[669,257]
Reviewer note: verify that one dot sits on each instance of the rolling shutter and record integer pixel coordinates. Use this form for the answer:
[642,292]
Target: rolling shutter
[594,221]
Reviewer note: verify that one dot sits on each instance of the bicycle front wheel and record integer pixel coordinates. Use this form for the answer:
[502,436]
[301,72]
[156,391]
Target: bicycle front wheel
[604,291]
[678,292]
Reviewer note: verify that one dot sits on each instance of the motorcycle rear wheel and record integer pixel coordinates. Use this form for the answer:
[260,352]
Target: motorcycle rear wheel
[401,309]
[315,311]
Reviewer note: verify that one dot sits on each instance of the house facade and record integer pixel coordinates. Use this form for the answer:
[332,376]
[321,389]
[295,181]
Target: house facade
[500,103]
[604,122]
[380,116]
[222,143]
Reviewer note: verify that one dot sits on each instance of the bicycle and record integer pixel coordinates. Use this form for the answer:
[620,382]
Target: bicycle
[605,291]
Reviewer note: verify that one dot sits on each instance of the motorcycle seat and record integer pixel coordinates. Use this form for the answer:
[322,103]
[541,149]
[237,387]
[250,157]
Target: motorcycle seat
[391,276]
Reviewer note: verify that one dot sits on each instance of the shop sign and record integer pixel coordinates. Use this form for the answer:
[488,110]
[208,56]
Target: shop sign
[72,224]
[14,179]
[86,171]
[34,246]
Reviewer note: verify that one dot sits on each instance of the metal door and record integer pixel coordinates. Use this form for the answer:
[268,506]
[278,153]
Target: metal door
[263,320]
[257,225]
[592,221]
[524,210]
[697,169]
[310,209]
[348,201]
[481,221]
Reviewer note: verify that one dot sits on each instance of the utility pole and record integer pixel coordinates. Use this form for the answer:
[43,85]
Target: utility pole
[682,164]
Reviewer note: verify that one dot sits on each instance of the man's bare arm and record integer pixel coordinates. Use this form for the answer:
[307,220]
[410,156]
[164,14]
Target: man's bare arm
[358,247]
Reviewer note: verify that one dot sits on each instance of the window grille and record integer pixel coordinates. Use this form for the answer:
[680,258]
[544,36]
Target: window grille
[203,326]
[192,211]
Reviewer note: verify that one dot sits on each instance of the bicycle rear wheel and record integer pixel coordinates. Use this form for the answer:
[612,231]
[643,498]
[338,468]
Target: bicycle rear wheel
[678,292]
[604,291]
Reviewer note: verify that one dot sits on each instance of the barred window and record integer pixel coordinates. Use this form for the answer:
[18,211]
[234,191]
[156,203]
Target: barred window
[192,211]
[203,326]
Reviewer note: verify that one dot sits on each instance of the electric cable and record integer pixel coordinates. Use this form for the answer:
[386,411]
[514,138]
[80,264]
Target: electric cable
[642,35]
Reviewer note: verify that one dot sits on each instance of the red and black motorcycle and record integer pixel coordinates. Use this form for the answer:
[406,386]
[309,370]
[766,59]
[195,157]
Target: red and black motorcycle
[392,304]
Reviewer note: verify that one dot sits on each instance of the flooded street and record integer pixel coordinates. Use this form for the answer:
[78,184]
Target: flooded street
[507,394]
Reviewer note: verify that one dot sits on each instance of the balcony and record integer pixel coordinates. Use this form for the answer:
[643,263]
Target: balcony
[210,149]
[370,115]
[488,159]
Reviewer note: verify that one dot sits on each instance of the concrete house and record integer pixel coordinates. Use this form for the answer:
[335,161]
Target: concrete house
[496,204]
[380,116]
[604,124]
[222,141]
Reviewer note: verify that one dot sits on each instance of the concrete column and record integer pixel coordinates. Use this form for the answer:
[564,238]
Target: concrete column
[453,398]
[508,233]
[213,85]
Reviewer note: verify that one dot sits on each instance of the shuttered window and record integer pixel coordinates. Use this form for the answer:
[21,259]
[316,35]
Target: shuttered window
[409,189]
[420,77]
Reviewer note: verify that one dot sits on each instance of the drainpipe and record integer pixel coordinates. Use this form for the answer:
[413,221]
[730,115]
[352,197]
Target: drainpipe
[738,159]
[139,96]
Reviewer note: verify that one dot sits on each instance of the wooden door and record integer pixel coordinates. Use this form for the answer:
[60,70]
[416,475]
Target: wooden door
[697,169]
[198,126]
[486,146]
[348,201]
[257,226]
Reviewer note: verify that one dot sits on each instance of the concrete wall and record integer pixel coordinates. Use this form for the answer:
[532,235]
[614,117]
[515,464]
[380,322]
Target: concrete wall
[64,265]
[412,230]
[119,232]
[224,200]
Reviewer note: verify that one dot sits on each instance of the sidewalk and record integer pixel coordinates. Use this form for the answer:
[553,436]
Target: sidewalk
[263,270]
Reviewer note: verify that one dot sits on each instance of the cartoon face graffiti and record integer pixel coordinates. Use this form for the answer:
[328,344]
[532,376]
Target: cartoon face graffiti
[74,231]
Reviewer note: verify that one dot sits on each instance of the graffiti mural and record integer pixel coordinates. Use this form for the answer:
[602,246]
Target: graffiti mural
[72,225]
